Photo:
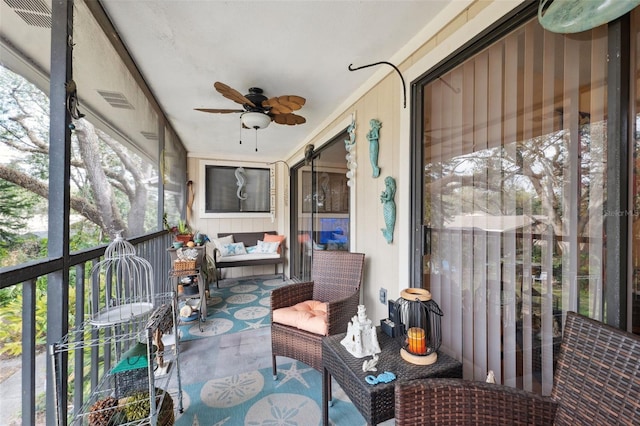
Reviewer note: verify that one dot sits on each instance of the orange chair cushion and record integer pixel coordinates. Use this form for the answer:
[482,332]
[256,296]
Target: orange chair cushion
[310,315]
[270,238]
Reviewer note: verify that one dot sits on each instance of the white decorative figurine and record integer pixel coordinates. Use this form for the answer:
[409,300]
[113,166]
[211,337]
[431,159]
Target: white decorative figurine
[370,364]
[361,339]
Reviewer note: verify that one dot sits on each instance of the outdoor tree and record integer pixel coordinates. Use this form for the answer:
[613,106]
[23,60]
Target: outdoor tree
[15,207]
[533,174]
[108,181]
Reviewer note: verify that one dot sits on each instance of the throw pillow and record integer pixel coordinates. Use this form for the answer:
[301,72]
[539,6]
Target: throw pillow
[251,249]
[267,247]
[233,249]
[220,242]
[270,238]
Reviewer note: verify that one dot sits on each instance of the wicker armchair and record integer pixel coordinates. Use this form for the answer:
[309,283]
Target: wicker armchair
[596,382]
[337,276]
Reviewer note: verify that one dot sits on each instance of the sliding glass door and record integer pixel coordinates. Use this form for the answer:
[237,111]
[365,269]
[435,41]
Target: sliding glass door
[514,165]
[320,206]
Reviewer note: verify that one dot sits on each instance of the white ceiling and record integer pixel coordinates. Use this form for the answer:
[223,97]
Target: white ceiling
[284,47]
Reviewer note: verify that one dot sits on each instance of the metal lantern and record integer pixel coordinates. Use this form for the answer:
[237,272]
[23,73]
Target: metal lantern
[419,330]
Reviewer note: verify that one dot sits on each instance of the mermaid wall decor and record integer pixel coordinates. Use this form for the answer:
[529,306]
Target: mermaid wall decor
[374,148]
[388,208]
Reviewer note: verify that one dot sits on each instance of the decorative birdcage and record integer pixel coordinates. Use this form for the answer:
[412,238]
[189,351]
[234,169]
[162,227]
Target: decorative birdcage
[419,320]
[121,285]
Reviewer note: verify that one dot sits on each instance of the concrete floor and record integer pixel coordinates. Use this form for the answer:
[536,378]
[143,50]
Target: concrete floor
[11,388]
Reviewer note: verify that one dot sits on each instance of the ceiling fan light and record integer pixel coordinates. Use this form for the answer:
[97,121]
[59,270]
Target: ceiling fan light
[255,120]
[574,16]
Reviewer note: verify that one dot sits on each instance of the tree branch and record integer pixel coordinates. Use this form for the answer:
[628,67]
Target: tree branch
[79,205]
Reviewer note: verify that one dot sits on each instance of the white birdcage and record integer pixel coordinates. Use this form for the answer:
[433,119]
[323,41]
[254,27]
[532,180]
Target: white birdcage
[121,285]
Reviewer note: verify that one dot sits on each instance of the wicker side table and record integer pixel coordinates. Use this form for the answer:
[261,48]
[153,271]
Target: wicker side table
[375,402]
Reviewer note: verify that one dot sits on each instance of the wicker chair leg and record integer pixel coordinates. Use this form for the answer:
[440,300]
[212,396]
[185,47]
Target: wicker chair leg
[274,369]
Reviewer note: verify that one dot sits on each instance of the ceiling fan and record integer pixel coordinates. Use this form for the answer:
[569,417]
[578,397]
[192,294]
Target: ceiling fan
[258,110]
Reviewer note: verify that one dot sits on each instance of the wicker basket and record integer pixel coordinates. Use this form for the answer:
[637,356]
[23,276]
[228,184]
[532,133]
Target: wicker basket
[166,416]
[184,265]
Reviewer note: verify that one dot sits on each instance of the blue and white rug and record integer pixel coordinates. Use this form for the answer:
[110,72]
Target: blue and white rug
[238,305]
[254,398]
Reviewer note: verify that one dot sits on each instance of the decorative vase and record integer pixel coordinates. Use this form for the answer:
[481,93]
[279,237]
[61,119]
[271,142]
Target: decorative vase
[185,238]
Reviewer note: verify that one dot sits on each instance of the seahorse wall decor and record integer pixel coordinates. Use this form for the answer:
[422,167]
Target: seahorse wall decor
[388,208]
[374,148]
[241,181]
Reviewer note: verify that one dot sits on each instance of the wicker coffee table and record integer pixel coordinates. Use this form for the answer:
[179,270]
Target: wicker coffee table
[375,402]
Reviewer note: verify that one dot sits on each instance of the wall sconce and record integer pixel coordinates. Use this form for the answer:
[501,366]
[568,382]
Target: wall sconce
[350,146]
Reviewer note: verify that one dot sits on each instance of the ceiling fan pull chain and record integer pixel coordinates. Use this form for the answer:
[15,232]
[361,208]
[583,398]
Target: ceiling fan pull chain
[256,139]
[240,137]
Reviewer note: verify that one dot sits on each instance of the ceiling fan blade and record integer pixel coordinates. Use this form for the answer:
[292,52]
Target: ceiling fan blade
[298,100]
[232,94]
[289,119]
[285,104]
[218,111]
[277,108]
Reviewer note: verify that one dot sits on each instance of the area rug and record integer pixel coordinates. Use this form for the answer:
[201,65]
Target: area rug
[238,305]
[254,398]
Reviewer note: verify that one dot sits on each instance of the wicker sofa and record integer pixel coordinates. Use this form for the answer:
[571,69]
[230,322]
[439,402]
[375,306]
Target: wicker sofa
[254,259]
[596,382]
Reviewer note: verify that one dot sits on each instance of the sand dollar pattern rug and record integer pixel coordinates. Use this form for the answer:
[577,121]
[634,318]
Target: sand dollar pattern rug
[238,305]
[254,398]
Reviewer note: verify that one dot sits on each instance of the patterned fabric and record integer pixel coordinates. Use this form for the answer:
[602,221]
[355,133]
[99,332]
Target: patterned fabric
[251,249]
[270,238]
[265,247]
[221,242]
[233,249]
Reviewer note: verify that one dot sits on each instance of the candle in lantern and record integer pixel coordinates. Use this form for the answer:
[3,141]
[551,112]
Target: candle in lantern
[417,342]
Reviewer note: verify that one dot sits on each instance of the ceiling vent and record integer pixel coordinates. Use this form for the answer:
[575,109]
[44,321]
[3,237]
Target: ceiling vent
[34,12]
[150,135]
[115,99]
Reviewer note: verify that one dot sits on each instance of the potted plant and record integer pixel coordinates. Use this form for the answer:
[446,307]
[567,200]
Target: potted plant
[183,232]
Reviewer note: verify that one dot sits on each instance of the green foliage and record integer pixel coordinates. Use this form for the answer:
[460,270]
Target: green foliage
[11,321]
[183,228]
[15,209]
[84,235]
[138,407]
